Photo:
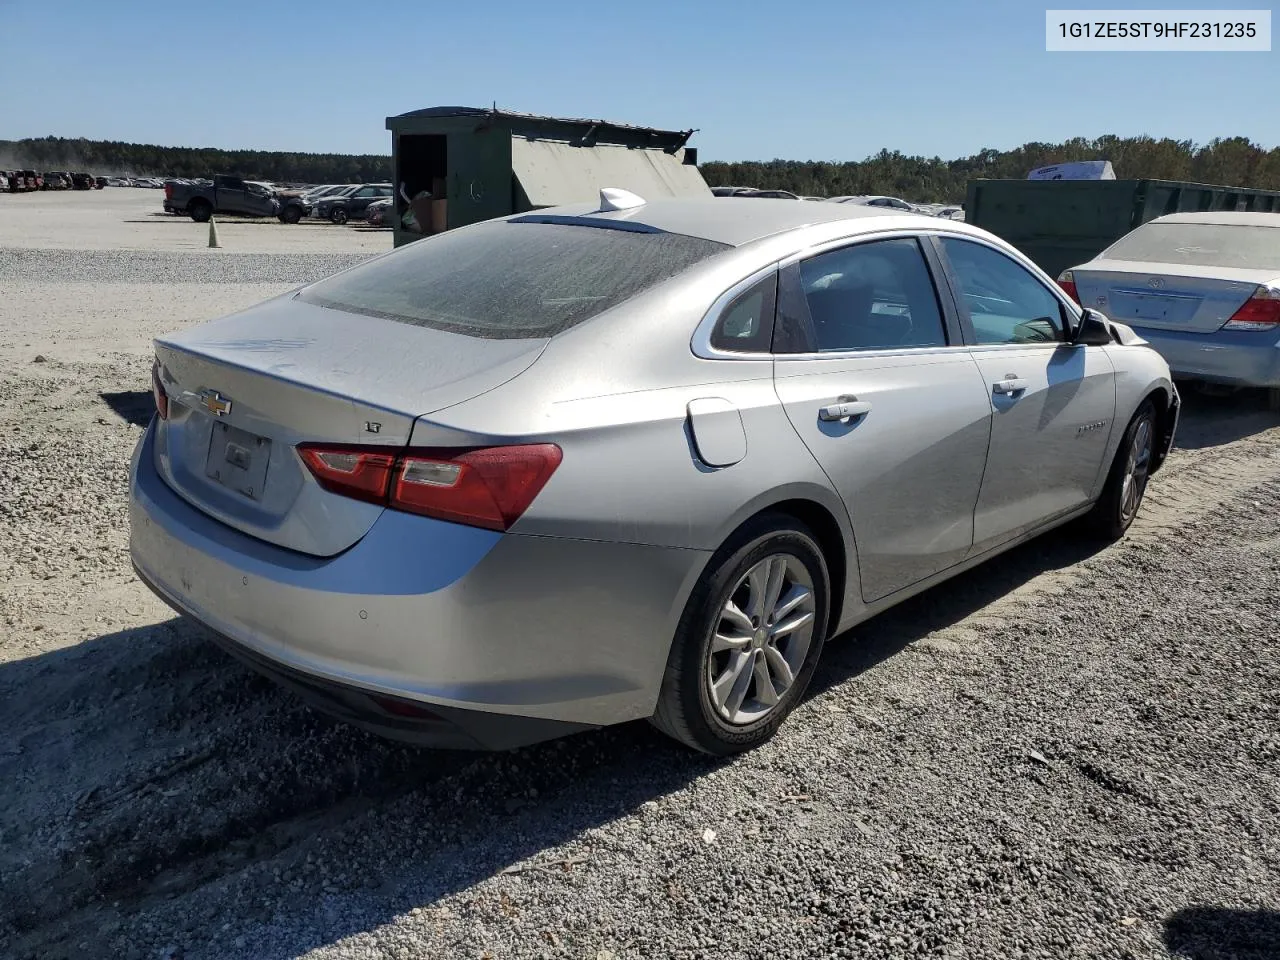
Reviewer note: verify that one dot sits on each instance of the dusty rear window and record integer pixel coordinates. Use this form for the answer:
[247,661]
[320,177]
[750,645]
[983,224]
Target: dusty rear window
[1209,244]
[509,280]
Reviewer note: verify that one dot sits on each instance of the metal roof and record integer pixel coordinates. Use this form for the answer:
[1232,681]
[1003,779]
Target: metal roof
[740,220]
[431,112]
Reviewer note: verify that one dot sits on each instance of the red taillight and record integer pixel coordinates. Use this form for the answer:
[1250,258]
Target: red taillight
[1067,281]
[168,191]
[490,487]
[157,392]
[351,471]
[1259,312]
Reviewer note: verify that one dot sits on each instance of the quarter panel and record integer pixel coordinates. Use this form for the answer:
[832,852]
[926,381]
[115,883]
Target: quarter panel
[574,630]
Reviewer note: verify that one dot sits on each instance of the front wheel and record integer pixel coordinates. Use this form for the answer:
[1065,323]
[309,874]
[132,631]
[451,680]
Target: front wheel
[291,214]
[338,215]
[748,641]
[200,211]
[1127,482]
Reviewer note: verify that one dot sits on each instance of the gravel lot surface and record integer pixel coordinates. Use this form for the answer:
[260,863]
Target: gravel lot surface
[124,218]
[1063,753]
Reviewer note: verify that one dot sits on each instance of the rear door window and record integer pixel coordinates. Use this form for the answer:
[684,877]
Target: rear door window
[868,296]
[505,280]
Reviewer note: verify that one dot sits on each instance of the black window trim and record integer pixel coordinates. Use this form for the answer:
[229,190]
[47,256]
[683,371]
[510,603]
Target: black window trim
[951,329]
[1069,312]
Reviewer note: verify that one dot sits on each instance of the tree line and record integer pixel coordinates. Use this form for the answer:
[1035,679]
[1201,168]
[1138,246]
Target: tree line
[1234,161]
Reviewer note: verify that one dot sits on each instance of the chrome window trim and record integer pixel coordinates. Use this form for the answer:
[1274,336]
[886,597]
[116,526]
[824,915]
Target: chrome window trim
[879,353]
[701,340]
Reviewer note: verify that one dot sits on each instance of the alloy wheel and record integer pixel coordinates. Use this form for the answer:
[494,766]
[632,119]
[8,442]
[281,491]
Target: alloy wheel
[1136,468]
[760,639]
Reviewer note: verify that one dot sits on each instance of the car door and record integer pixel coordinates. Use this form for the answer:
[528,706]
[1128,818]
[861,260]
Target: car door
[1053,402]
[259,201]
[360,200]
[230,195]
[873,375]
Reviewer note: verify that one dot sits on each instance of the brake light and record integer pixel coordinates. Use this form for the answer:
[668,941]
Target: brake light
[489,487]
[158,392]
[1260,312]
[1067,281]
[357,472]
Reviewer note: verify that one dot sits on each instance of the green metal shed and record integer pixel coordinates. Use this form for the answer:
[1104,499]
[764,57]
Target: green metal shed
[491,163]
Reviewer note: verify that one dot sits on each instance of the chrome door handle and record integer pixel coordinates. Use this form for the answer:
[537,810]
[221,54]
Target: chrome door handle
[1009,385]
[844,410]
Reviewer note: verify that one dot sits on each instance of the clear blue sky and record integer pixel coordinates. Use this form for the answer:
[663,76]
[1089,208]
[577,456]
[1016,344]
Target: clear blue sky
[801,80]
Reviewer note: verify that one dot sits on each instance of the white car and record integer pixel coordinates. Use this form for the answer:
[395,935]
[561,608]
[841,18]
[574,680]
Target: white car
[1202,288]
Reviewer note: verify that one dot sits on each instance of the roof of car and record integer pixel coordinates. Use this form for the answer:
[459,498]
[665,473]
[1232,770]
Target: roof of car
[734,221]
[1232,217]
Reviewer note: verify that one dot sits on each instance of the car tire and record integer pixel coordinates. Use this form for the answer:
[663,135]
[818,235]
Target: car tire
[739,712]
[291,214]
[338,215]
[200,211]
[1126,482]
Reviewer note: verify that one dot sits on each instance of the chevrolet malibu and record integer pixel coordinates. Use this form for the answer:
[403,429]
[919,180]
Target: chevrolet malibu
[625,460]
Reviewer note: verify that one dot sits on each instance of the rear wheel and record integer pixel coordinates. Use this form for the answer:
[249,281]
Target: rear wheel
[338,215]
[1127,481]
[200,211]
[748,641]
[291,214]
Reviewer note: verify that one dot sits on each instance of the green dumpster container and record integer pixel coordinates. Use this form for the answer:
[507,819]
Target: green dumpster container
[1061,223]
[460,165]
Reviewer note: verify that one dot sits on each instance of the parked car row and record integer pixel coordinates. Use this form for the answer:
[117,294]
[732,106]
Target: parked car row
[22,181]
[945,211]
[28,181]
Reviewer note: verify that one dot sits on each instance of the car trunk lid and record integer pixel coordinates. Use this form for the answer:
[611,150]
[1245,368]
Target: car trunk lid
[1166,296]
[245,390]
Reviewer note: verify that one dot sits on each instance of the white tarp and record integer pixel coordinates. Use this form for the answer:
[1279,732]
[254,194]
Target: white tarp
[1080,170]
[553,173]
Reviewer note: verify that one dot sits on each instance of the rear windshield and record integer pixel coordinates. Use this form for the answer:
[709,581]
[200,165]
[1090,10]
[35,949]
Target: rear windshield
[508,280]
[1207,244]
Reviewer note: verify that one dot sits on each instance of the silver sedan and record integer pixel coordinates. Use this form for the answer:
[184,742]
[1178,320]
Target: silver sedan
[625,460]
[1202,288]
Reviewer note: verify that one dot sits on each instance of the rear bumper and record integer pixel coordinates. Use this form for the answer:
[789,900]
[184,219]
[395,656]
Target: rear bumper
[536,635]
[1237,357]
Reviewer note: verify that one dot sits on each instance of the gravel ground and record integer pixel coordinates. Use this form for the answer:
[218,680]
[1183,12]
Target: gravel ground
[131,266]
[1063,753]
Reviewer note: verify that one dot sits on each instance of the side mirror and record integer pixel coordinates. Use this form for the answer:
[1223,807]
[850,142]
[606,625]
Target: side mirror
[1094,330]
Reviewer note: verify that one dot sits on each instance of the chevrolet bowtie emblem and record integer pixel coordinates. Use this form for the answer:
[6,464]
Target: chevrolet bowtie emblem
[215,402]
